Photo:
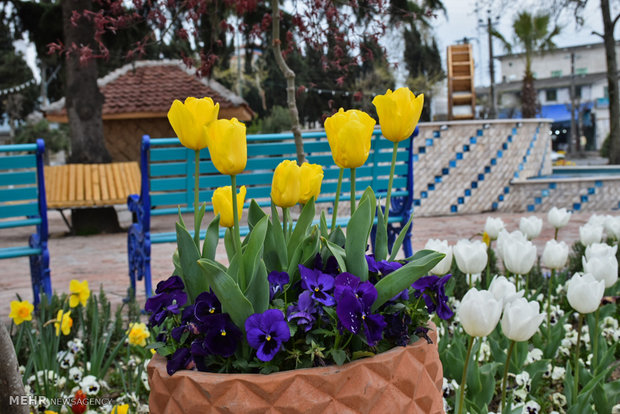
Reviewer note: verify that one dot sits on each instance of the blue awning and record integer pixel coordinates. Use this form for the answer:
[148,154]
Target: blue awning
[561,112]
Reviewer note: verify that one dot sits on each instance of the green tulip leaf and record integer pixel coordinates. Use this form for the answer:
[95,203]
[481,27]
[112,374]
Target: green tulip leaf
[227,291]
[337,236]
[310,247]
[212,237]
[337,252]
[381,238]
[253,251]
[357,239]
[198,216]
[323,225]
[401,279]
[274,253]
[293,265]
[301,227]
[258,289]
[400,239]
[255,213]
[188,255]
[235,268]
[176,262]
[229,243]
[369,195]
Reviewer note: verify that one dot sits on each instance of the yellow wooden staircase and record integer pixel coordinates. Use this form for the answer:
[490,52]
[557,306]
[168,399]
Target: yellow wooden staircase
[461,95]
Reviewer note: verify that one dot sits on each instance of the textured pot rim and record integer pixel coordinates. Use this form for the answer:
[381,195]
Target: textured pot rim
[158,363]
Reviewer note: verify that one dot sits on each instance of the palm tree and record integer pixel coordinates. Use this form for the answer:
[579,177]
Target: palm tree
[532,35]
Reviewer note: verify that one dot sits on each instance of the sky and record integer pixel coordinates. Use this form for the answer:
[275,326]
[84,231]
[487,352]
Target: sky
[462,21]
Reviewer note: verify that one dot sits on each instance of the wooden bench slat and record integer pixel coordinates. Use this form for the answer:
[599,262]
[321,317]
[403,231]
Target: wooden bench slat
[79,194]
[72,181]
[88,184]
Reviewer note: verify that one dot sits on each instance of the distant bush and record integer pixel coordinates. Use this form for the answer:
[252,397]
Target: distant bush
[606,147]
[277,121]
[56,139]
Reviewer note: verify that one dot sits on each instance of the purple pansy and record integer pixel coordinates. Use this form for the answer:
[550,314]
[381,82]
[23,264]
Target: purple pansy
[266,332]
[330,267]
[384,267]
[207,304]
[363,290]
[163,303]
[354,300]
[179,360]
[426,286]
[170,285]
[318,283]
[302,313]
[222,336]
[355,315]
[277,280]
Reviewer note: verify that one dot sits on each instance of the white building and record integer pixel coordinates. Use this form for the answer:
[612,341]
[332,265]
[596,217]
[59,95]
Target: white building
[552,72]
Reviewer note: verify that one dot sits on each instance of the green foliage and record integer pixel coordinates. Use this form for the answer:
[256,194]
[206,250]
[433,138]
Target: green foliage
[606,147]
[56,137]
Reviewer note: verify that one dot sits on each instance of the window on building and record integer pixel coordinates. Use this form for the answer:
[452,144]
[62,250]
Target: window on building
[551,95]
[581,71]
[606,92]
[578,91]
[556,73]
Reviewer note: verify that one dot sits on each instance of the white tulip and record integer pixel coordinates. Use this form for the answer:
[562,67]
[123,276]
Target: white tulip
[555,254]
[558,217]
[521,319]
[479,312]
[603,268]
[590,233]
[493,226]
[519,256]
[504,290]
[471,256]
[600,249]
[585,292]
[531,226]
[445,264]
[505,238]
[597,220]
[612,227]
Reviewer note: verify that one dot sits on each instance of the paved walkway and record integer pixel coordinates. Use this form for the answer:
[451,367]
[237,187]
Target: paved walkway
[102,259]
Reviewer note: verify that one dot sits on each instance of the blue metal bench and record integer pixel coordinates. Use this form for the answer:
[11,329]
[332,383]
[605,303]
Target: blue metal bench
[167,185]
[22,203]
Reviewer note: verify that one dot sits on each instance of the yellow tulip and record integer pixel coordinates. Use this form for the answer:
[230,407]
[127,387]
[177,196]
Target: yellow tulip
[21,311]
[63,322]
[286,184]
[349,135]
[79,293]
[311,179]
[227,145]
[222,204]
[137,334]
[189,120]
[120,409]
[399,113]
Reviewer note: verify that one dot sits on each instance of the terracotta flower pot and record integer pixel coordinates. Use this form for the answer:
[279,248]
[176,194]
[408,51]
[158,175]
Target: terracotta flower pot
[402,380]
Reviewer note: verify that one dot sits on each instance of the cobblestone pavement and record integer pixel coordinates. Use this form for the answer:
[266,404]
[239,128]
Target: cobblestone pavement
[102,259]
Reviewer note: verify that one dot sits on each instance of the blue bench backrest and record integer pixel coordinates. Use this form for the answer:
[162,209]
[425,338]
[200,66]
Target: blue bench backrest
[22,187]
[171,169]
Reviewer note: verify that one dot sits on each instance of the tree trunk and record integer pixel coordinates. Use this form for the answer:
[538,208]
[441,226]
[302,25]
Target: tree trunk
[529,98]
[83,100]
[290,81]
[10,379]
[612,84]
